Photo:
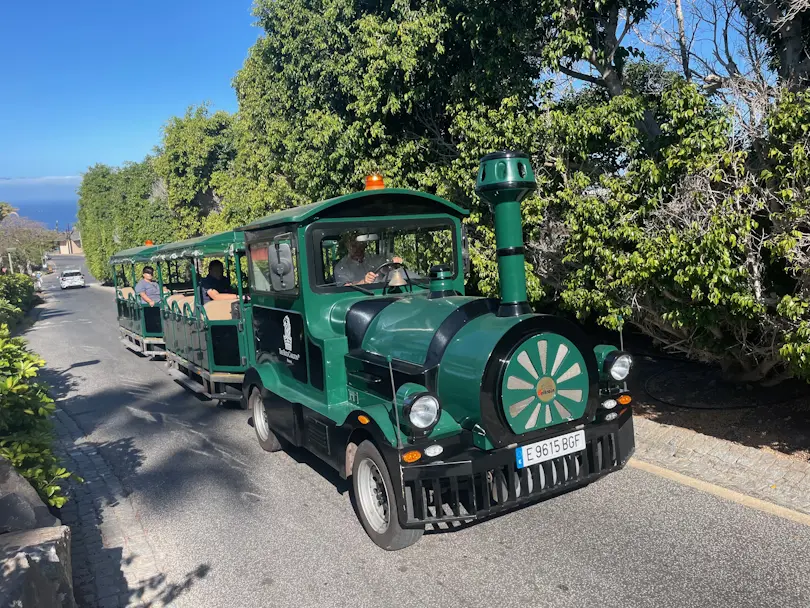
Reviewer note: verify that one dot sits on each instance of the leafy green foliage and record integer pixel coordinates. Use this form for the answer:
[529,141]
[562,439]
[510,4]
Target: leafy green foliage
[26,434]
[194,149]
[16,297]
[122,208]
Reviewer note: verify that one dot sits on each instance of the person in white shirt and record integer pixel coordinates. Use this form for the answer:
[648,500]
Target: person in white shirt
[357,268]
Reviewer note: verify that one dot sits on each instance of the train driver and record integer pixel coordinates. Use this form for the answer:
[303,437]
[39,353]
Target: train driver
[357,268]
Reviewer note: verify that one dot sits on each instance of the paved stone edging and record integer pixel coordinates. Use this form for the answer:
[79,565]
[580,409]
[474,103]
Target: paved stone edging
[113,562]
[751,471]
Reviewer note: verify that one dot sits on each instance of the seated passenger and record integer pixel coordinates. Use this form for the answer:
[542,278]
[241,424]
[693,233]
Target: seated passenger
[147,288]
[215,286]
[356,268]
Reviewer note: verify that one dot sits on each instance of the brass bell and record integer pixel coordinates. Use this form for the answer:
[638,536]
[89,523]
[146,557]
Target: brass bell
[397,278]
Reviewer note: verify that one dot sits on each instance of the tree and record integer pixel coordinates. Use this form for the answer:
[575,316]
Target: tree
[5,210]
[28,240]
[784,25]
[122,208]
[194,148]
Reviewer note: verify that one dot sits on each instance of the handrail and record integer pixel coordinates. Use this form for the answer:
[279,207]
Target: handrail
[189,317]
[203,317]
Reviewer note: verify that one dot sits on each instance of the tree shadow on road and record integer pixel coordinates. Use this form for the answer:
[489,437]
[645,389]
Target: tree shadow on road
[113,562]
[157,591]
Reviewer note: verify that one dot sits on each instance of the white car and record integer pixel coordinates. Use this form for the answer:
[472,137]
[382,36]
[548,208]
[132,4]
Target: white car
[71,278]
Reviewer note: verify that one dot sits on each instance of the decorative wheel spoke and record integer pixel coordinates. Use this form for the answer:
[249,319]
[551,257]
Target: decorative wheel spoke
[564,413]
[572,372]
[526,362]
[516,383]
[518,407]
[533,418]
[561,352]
[542,349]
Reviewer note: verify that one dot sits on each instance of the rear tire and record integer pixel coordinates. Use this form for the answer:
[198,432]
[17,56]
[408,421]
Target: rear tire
[267,438]
[375,501]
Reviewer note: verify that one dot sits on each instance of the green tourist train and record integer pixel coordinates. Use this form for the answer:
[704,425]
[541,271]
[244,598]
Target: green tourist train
[343,326]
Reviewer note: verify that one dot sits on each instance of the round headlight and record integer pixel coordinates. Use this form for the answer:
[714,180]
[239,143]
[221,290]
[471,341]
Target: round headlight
[621,367]
[424,412]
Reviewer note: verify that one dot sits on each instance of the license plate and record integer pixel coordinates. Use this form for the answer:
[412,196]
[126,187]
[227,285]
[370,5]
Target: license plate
[535,453]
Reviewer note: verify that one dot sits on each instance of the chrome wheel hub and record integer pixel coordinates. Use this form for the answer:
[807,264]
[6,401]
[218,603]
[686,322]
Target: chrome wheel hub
[372,495]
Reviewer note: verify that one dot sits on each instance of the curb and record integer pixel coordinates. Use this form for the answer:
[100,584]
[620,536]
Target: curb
[750,471]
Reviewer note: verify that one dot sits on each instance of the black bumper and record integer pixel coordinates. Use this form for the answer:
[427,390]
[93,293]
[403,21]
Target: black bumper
[479,484]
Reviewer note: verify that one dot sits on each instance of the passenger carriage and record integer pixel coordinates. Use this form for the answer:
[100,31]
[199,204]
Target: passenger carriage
[138,324]
[208,347]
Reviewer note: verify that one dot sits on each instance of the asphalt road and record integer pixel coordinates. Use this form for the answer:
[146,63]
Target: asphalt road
[279,530]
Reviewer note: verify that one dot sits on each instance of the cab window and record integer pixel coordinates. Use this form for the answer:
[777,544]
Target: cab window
[350,254]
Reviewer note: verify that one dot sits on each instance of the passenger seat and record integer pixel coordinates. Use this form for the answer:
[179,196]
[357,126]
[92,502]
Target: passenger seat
[219,310]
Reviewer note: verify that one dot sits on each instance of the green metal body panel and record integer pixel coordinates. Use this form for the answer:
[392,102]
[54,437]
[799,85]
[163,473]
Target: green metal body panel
[463,364]
[404,329]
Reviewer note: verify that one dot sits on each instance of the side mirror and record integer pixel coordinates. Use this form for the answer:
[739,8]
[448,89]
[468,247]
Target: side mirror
[282,269]
[465,250]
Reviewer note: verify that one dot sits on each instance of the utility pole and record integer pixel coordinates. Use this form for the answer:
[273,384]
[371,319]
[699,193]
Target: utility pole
[10,262]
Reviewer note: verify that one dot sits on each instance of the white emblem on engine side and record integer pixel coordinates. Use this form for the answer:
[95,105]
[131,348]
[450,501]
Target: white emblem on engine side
[287,332]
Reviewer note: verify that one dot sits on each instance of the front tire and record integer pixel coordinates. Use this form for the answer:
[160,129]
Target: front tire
[267,438]
[375,499]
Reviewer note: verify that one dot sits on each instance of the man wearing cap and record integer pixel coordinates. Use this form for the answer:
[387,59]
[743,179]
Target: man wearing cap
[147,287]
[357,268]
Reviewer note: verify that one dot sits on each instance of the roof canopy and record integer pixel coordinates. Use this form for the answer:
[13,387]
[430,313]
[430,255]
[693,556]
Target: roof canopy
[366,203]
[134,255]
[201,246]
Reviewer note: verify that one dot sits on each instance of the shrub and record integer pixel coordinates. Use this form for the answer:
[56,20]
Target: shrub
[26,432]
[17,290]
[9,314]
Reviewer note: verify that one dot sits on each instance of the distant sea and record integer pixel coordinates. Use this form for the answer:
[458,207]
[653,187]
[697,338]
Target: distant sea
[49,212]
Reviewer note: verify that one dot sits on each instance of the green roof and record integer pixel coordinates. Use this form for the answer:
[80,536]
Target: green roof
[136,254]
[303,213]
[201,246]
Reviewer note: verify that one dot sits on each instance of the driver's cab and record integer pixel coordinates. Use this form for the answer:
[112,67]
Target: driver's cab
[309,265]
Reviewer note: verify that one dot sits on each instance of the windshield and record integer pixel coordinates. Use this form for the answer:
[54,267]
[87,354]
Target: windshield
[72,273]
[353,255]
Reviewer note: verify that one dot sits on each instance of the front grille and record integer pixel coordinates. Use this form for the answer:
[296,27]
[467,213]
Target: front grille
[499,485]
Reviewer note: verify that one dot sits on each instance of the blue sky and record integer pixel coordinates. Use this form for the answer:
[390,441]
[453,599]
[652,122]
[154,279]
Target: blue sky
[90,81]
